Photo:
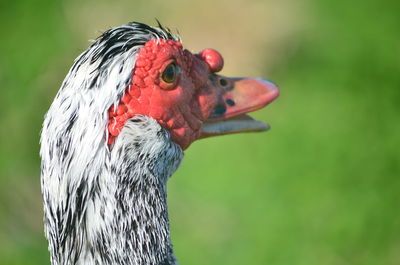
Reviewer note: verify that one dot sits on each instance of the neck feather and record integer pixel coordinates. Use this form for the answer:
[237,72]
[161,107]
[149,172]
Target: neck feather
[121,215]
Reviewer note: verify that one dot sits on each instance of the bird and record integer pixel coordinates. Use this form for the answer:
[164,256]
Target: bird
[115,133]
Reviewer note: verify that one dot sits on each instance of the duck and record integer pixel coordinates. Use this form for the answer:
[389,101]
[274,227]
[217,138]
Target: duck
[116,131]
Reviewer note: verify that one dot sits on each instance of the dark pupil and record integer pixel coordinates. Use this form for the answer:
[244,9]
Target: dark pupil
[169,73]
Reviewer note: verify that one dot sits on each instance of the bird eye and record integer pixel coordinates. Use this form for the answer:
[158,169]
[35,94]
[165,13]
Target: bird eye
[170,73]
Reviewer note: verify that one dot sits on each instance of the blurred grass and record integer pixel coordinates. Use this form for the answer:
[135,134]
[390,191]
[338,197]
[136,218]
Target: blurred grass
[322,187]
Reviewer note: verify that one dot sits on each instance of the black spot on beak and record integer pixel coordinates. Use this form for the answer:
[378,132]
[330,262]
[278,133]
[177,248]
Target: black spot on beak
[219,110]
[230,102]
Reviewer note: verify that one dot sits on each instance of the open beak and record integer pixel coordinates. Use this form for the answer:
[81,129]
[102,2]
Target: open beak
[236,97]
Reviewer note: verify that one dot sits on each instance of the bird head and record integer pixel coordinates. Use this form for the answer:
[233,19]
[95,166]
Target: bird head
[184,93]
[136,69]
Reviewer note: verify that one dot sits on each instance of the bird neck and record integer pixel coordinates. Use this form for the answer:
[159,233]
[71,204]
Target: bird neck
[124,218]
[136,230]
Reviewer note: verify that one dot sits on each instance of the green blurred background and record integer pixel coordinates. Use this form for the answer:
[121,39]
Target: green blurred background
[322,187]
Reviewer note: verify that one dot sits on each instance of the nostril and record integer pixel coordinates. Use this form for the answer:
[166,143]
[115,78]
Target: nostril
[223,82]
[219,110]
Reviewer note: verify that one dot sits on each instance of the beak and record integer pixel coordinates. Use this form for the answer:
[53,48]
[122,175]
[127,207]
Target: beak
[235,98]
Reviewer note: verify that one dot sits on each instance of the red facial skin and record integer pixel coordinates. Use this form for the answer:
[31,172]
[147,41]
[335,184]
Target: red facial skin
[182,106]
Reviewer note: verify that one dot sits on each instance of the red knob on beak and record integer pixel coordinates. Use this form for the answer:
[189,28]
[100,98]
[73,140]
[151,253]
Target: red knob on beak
[213,59]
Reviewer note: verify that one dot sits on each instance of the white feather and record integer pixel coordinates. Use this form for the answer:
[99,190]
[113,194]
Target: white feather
[84,180]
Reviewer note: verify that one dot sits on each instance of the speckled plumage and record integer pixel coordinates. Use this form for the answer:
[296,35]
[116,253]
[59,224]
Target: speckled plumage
[106,205]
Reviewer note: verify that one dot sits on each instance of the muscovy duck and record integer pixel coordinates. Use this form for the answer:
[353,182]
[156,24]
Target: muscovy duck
[116,131]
